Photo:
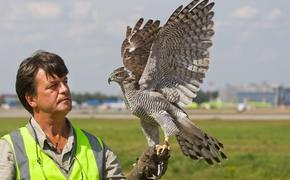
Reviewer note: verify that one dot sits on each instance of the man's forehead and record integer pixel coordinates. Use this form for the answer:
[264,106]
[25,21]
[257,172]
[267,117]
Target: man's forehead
[55,78]
[41,74]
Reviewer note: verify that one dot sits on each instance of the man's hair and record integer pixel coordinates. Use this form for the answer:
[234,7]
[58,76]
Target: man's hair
[51,63]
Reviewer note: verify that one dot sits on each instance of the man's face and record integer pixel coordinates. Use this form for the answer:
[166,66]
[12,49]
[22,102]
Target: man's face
[52,94]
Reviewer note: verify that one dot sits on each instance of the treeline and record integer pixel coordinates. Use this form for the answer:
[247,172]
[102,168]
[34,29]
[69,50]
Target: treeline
[202,96]
[1,100]
[82,97]
[205,96]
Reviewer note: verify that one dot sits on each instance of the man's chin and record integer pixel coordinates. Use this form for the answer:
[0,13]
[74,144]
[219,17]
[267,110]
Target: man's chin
[65,109]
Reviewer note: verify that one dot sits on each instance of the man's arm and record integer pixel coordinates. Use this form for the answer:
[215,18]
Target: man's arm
[112,169]
[150,165]
[7,162]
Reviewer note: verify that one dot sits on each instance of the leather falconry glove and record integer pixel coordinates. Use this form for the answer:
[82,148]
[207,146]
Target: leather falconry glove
[150,165]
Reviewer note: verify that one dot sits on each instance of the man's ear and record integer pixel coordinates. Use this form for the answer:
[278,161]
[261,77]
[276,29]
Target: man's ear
[31,100]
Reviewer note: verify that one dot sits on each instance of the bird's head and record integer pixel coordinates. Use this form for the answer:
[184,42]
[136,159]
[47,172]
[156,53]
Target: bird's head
[121,75]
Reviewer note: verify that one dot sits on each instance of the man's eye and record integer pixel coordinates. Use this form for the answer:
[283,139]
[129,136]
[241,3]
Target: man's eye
[52,86]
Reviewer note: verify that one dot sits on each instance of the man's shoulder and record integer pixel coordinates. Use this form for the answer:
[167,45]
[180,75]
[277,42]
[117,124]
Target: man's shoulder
[5,145]
[8,135]
[8,140]
[7,160]
[93,139]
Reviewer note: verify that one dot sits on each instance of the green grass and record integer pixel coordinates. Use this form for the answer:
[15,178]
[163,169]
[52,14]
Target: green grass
[256,149]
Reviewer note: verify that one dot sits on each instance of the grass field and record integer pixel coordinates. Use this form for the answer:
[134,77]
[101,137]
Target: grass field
[256,149]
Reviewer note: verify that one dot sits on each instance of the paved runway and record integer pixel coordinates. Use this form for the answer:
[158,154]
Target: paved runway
[195,115]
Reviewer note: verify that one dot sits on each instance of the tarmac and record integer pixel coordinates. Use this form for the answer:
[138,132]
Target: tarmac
[193,114]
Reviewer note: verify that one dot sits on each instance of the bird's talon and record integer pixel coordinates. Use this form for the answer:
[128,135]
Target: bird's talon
[161,148]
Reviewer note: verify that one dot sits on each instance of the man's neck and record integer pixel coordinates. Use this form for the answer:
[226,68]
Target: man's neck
[52,125]
[55,128]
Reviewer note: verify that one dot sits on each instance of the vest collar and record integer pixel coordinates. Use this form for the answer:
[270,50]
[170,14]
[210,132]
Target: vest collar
[43,139]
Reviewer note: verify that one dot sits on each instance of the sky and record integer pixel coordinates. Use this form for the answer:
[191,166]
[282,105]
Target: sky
[251,42]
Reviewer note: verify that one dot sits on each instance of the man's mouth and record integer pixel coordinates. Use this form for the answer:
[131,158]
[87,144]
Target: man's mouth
[64,99]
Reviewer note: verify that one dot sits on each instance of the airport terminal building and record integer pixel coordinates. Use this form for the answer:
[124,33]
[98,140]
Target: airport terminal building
[275,95]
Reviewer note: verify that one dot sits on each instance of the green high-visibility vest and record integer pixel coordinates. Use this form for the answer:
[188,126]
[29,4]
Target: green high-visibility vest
[33,164]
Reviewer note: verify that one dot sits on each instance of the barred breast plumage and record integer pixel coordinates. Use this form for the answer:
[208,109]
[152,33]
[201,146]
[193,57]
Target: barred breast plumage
[163,69]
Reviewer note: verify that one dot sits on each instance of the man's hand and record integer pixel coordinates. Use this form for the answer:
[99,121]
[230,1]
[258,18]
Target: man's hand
[150,165]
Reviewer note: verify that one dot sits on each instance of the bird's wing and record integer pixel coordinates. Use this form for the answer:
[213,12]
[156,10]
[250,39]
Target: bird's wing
[135,48]
[179,57]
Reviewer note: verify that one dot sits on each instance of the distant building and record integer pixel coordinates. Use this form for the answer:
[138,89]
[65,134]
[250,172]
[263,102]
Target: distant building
[9,100]
[268,97]
[275,95]
[283,96]
[99,102]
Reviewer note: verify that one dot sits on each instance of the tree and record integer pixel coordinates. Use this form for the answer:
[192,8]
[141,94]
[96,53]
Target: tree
[201,97]
[1,100]
[207,96]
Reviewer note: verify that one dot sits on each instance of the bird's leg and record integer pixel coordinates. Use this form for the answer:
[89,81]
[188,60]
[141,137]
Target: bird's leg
[161,148]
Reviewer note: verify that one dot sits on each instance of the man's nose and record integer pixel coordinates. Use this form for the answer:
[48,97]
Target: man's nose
[63,87]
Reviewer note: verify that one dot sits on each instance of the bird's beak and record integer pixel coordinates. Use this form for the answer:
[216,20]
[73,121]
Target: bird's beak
[109,80]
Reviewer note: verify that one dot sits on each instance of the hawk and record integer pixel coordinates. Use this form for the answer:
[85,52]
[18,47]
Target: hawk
[163,69]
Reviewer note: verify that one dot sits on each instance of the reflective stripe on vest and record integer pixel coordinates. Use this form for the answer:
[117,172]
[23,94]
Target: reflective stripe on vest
[32,163]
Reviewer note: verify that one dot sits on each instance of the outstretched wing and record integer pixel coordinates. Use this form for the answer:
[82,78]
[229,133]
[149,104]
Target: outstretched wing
[135,49]
[179,57]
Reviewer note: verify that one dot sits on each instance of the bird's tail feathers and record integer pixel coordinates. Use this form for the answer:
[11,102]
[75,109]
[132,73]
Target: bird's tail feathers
[199,145]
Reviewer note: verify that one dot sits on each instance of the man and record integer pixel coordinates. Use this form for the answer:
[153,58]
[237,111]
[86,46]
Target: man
[49,147]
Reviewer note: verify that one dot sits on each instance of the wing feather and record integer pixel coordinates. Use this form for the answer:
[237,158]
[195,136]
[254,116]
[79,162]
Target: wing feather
[179,57]
[135,48]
